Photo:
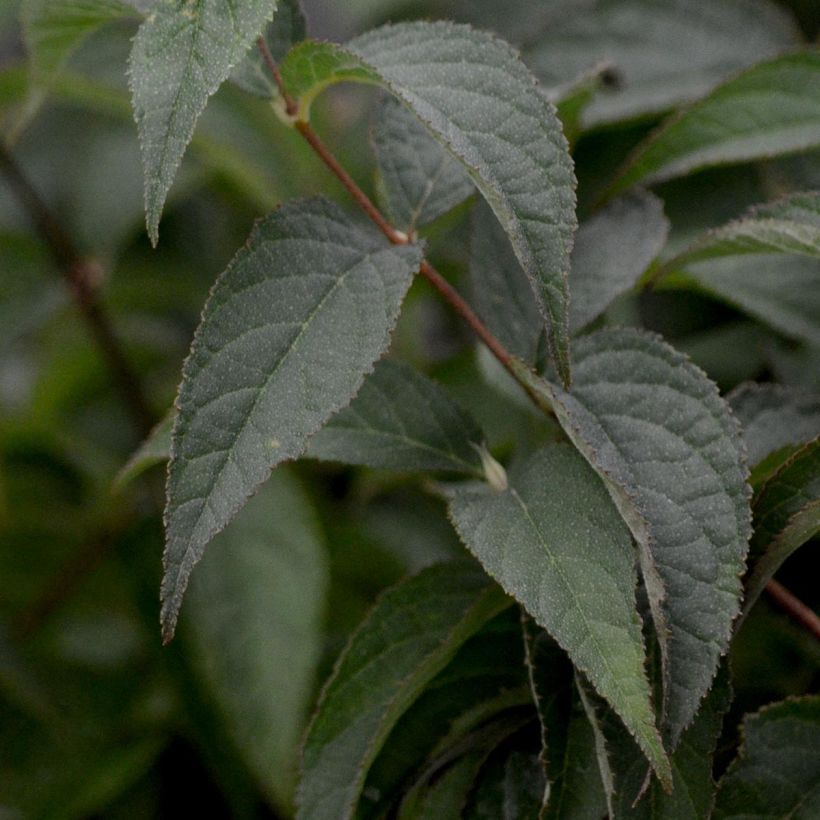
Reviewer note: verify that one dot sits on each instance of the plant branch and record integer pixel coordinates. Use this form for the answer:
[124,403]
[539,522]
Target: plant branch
[290,104]
[794,607]
[81,275]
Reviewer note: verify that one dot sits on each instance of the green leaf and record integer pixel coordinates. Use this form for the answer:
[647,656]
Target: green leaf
[256,609]
[475,96]
[650,46]
[154,450]
[291,329]
[612,250]
[401,420]
[419,180]
[775,420]
[655,429]
[575,790]
[769,110]
[555,541]
[287,28]
[410,636]
[54,28]
[777,772]
[182,53]
[786,515]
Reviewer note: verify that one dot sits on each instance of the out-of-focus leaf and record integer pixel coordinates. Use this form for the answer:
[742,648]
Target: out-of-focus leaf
[567,558]
[154,450]
[777,772]
[655,429]
[769,110]
[419,180]
[291,329]
[411,635]
[665,52]
[182,53]
[256,610]
[401,420]
[786,515]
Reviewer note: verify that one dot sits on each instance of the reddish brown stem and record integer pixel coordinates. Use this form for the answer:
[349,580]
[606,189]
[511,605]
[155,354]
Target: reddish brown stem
[794,607]
[290,104]
[81,275]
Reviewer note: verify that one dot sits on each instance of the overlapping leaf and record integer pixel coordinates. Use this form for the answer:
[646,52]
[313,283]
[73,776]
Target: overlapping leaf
[257,605]
[777,773]
[475,96]
[401,420]
[411,635]
[420,181]
[182,53]
[290,331]
[769,110]
[567,557]
[786,515]
[656,430]
[651,46]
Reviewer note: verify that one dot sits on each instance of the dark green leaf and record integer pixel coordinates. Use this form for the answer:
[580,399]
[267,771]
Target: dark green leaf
[475,96]
[411,635]
[650,46]
[419,180]
[287,28]
[182,53]
[291,329]
[555,541]
[786,515]
[769,110]
[401,420]
[256,611]
[655,429]
[777,773]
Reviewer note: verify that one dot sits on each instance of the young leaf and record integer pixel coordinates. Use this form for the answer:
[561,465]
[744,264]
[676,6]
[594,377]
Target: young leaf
[291,329]
[287,28]
[182,53]
[649,44]
[786,516]
[420,181]
[475,96]
[775,420]
[256,608]
[769,110]
[401,420]
[655,429]
[612,250]
[410,636]
[54,28]
[777,772]
[555,541]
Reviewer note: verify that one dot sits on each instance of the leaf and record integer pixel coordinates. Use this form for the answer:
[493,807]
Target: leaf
[769,110]
[182,53]
[154,450]
[790,225]
[54,28]
[655,429]
[401,420]
[556,543]
[287,28]
[419,180]
[774,419]
[575,790]
[474,95]
[256,609]
[777,772]
[289,332]
[650,46]
[612,250]
[786,516]
[410,636]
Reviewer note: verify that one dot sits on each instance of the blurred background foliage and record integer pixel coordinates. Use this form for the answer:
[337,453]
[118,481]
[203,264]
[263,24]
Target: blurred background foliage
[97,718]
